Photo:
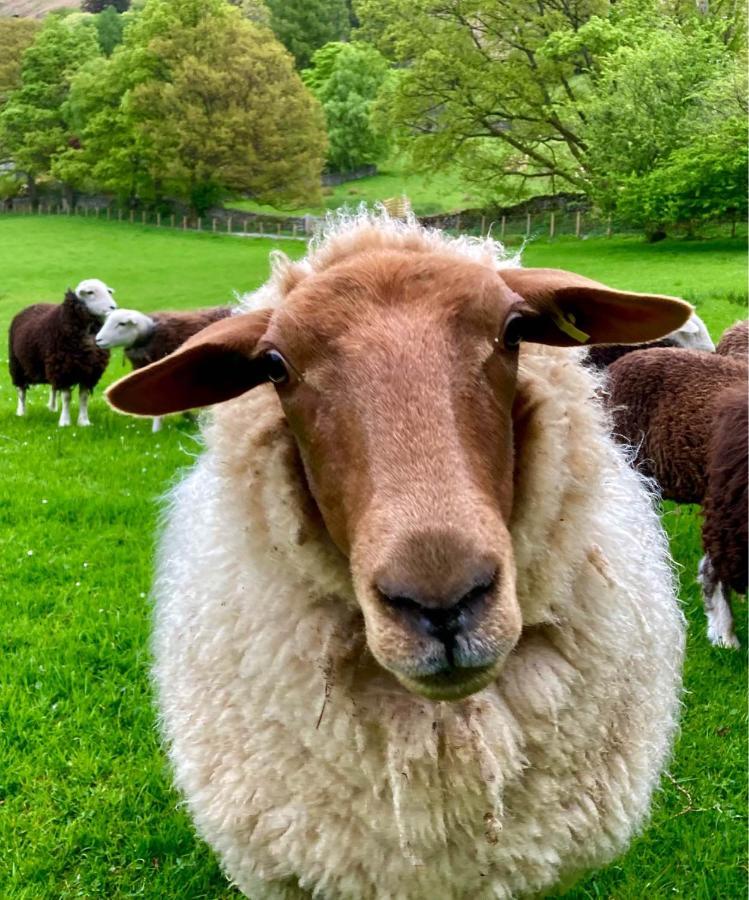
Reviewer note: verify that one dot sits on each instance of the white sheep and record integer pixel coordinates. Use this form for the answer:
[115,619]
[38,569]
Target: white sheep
[53,343]
[147,339]
[416,632]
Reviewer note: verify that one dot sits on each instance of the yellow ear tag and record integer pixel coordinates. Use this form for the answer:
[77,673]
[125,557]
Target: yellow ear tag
[567,325]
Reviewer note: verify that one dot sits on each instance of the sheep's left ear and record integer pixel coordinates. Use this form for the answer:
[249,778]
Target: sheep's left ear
[567,310]
[215,364]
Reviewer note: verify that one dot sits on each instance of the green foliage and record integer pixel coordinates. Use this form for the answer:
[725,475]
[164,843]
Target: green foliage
[346,79]
[33,124]
[87,809]
[109,26]
[16,36]
[188,107]
[304,26]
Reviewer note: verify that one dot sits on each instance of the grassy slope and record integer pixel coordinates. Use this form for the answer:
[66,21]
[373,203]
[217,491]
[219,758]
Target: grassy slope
[85,804]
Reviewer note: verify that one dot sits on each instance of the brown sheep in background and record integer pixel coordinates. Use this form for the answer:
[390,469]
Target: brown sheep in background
[735,341]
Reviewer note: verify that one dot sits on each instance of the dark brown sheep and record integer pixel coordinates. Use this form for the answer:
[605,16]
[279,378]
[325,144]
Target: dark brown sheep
[685,413]
[735,341]
[54,344]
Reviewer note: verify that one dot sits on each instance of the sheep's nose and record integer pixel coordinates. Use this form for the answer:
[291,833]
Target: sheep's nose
[443,615]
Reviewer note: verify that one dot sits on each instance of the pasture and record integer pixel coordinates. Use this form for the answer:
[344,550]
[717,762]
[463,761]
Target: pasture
[86,808]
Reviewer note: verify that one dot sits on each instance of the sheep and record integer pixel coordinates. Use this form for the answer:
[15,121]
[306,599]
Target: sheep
[416,632]
[150,338]
[54,344]
[686,413]
[735,341]
[693,335]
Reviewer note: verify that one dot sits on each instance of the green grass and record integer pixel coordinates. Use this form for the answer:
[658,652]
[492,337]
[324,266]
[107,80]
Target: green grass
[441,192]
[86,809]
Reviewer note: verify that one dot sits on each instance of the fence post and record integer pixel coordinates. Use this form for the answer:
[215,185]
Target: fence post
[293,230]
[457,222]
[262,228]
[171,220]
[527,224]
[502,227]
[551,227]
[608,227]
[184,223]
[228,225]
[109,212]
[200,223]
[132,216]
[577,224]
[278,229]
[143,217]
[244,225]
[213,224]
[158,220]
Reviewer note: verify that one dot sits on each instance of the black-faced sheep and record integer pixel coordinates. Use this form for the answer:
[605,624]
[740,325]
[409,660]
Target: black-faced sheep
[678,408]
[405,511]
[148,338]
[735,341]
[693,335]
[54,344]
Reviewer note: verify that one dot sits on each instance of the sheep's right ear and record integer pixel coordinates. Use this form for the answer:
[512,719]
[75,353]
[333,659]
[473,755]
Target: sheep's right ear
[215,364]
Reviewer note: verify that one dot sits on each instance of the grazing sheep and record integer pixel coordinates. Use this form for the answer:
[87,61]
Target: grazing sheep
[54,344]
[147,339]
[693,335]
[685,412]
[735,341]
[411,512]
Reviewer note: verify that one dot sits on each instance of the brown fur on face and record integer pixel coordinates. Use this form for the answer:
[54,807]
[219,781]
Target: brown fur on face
[399,389]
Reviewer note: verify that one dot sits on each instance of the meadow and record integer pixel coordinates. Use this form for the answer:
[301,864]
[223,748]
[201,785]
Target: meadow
[86,807]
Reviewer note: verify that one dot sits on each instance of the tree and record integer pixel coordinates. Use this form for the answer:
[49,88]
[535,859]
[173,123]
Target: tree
[109,27]
[33,125]
[195,102]
[304,26]
[16,36]
[98,6]
[503,87]
[346,79]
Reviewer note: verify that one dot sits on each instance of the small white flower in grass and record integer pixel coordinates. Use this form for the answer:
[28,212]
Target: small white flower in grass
[77,584]
[142,594]
[85,565]
[45,501]
[144,469]
[29,553]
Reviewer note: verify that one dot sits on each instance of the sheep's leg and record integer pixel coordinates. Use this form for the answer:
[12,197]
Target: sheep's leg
[717,608]
[52,405]
[65,411]
[83,395]
[156,424]
[21,408]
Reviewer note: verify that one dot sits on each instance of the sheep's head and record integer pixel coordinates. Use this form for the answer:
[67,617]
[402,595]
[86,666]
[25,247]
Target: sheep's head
[96,297]
[397,374]
[123,328]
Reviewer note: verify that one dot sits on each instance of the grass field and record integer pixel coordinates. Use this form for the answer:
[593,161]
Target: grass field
[86,809]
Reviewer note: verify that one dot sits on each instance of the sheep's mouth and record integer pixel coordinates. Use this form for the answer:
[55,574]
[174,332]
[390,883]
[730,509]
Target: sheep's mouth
[451,684]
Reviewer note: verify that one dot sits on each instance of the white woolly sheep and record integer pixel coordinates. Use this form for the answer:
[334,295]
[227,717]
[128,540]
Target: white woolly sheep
[54,344]
[147,339]
[692,335]
[685,412]
[416,632]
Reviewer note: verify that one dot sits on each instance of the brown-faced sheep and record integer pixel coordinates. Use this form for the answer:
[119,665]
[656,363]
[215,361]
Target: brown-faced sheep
[735,341]
[148,338]
[54,344]
[685,412]
[416,631]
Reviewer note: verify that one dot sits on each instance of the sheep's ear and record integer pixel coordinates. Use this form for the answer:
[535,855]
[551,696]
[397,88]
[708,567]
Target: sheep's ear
[213,365]
[566,310]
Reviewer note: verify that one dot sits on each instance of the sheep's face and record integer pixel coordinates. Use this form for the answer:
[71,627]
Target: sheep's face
[96,297]
[123,328]
[397,374]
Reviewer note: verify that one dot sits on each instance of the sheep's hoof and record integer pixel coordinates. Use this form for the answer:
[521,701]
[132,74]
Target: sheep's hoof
[63,424]
[83,423]
[728,641]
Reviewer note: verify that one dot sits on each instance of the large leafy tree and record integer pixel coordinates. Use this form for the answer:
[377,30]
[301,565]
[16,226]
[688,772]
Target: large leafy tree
[195,102]
[346,79]
[505,86]
[304,26]
[16,36]
[33,123]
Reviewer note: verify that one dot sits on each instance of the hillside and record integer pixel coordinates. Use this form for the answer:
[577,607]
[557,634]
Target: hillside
[35,9]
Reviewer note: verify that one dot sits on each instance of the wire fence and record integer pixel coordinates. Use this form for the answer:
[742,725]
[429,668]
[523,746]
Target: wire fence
[578,223]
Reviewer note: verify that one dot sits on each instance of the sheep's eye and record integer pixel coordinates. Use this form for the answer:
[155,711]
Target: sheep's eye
[121,324]
[512,334]
[276,367]
[111,291]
